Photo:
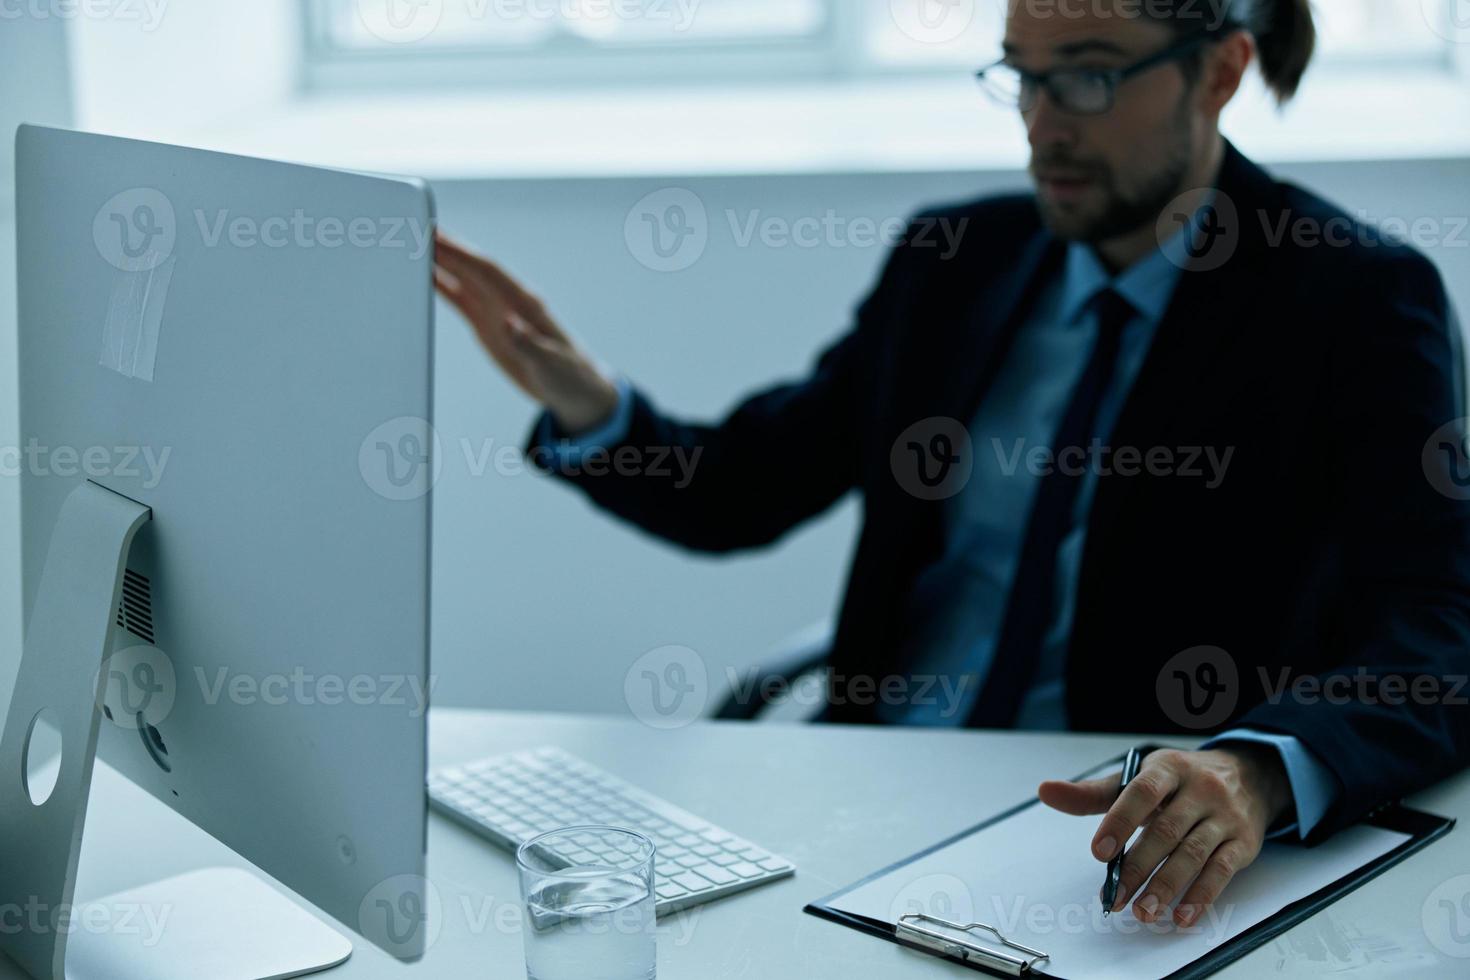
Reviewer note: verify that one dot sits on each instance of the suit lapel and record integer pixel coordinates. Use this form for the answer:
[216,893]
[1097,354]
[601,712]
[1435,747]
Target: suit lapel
[956,362]
[1207,306]
[986,334]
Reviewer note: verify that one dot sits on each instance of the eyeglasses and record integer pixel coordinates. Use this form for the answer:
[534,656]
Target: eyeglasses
[1081,91]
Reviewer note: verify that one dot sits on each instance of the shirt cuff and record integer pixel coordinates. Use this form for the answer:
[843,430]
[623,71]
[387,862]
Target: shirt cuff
[1313,786]
[570,450]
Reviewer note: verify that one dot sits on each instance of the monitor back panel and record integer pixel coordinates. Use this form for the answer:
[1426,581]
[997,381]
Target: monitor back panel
[246,348]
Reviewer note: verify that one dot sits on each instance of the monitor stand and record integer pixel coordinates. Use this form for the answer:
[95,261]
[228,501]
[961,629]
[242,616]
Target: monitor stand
[224,924]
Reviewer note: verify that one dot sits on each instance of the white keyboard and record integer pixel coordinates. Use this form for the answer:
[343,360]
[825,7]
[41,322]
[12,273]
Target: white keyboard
[513,798]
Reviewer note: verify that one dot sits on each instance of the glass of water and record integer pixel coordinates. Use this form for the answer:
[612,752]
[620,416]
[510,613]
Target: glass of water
[589,904]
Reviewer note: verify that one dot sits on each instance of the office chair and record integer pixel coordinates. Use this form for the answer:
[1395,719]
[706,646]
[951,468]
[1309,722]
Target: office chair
[800,654]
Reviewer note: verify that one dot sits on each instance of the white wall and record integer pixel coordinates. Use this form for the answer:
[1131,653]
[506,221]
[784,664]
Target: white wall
[134,75]
[35,86]
[168,69]
[542,603]
[539,601]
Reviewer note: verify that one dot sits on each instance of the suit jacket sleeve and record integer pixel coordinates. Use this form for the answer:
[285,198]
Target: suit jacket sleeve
[781,457]
[1392,717]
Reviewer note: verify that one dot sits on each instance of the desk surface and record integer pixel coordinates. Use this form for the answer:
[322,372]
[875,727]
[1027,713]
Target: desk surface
[840,802]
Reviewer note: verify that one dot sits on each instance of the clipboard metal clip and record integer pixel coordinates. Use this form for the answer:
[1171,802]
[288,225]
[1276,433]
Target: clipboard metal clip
[915,928]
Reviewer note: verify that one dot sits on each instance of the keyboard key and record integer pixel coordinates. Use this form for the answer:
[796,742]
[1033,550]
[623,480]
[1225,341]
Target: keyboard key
[669,891]
[745,870]
[717,875]
[775,864]
[693,882]
[683,820]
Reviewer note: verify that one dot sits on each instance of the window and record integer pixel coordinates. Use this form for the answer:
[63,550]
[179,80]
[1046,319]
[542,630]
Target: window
[470,41]
[1400,32]
[1386,30]
[500,25]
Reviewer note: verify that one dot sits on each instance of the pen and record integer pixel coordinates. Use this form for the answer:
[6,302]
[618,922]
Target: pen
[1131,766]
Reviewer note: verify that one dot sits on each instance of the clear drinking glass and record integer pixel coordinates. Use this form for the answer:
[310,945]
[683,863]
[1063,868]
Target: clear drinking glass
[589,904]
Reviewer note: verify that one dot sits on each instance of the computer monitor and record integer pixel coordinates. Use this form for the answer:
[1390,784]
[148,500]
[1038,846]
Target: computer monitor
[245,349]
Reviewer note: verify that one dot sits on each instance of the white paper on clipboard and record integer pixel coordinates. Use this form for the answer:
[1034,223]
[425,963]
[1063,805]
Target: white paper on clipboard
[1032,877]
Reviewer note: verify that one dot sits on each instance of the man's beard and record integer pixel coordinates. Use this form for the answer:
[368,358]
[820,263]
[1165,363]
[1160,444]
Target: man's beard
[1124,211]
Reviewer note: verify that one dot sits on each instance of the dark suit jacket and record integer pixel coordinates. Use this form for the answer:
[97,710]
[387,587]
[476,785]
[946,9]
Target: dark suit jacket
[1328,551]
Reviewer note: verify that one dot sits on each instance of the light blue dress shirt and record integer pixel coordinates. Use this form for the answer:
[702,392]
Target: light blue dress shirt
[969,588]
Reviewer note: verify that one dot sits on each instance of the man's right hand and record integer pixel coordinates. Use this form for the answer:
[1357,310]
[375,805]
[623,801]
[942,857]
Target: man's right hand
[524,340]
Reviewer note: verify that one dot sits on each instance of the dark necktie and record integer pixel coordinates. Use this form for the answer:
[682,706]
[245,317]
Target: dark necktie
[1033,591]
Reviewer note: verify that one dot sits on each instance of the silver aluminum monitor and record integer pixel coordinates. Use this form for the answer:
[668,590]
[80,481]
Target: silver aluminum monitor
[244,348]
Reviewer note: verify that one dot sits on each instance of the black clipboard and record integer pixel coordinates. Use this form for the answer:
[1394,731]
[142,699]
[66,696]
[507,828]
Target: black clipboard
[1002,958]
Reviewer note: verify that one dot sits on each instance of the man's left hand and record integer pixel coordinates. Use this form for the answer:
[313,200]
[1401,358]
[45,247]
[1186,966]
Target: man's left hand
[1205,816]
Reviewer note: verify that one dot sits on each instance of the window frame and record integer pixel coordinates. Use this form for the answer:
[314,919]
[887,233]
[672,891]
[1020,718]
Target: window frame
[838,50]
[565,60]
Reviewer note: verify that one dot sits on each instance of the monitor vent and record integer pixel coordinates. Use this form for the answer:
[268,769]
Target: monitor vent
[135,614]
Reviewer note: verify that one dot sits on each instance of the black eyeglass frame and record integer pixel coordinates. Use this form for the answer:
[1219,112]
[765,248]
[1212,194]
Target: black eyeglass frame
[1113,77]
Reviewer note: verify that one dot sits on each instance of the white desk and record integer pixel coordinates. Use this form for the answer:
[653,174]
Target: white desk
[840,802]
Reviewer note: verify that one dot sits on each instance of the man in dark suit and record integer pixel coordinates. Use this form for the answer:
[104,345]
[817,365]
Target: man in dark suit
[1166,446]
